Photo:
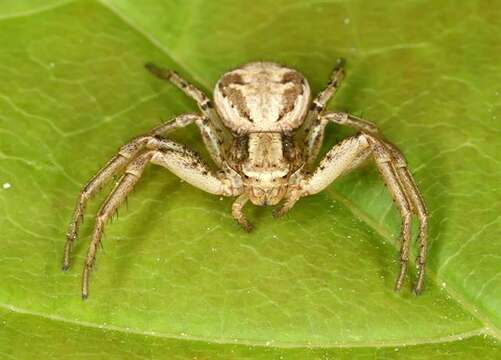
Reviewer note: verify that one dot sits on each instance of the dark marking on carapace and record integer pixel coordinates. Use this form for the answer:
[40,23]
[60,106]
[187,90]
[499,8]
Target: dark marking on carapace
[292,93]
[237,101]
[231,78]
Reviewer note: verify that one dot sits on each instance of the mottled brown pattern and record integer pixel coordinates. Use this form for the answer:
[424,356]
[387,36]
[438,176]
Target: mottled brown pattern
[293,77]
[237,99]
[291,94]
[231,78]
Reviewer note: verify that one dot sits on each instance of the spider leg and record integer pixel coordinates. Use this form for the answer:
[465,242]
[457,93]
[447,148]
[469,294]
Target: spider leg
[109,207]
[211,138]
[385,164]
[315,135]
[170,75]
[418,207]
[178,122]
[238,215]
[351,152]
[215,140]
[214,133]
[290,200]
[313,129]
[409,187]
[319,103]
[117,163]
[336,163]
[352,121]
[176,158]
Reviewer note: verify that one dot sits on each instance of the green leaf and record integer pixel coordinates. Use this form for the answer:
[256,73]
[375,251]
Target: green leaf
[177,278]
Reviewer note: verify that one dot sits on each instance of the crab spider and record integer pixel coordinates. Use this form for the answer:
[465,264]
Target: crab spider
[263,133]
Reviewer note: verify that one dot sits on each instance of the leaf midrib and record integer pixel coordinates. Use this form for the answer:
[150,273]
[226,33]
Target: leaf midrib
[154,42]
[254,342]
[37,10]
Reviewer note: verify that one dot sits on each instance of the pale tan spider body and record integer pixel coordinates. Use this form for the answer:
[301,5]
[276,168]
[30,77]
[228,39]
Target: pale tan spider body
[263,135]
[262,103]
[266,172]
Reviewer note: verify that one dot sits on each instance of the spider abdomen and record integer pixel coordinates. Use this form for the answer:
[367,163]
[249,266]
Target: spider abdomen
[262,96]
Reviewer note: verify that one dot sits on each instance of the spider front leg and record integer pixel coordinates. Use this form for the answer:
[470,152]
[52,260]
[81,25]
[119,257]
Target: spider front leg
[341,159]
[176,158]
[214,133]
[117,163]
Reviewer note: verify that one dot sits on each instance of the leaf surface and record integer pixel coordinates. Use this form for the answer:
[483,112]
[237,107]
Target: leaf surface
[177,277]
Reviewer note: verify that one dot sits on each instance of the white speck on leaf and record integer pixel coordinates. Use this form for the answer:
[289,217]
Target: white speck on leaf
[6,185]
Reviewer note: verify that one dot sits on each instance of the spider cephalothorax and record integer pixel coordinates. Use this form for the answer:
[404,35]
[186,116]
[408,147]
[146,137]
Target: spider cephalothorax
[264,135]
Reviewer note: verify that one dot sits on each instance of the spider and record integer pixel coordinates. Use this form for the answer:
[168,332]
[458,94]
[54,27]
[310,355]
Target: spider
[263,134]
